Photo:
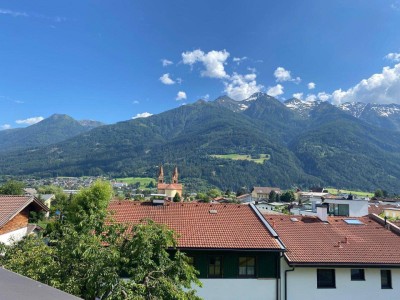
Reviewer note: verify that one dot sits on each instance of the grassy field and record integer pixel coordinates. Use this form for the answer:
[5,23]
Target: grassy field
[144,181]
[334,191]
[263,157]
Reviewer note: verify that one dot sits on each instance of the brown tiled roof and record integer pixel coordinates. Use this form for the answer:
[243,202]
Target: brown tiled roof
[313,242]
[169,186]
[231,227]
[378,208]
[12,205]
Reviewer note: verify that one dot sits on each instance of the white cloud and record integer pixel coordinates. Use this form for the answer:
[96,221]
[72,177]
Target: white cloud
[166,79]
[323,96]
[30,121]
[311,85]
[240,87]
[311,97]
[135,102]
[298,96]
[205,97]
[13,13]
[142,115]
[282,75]
[212,61]
[382,87]
[181,96]
[395,5]
[393,57]
[166,62]
[5,126]
[239,60]
[275,90]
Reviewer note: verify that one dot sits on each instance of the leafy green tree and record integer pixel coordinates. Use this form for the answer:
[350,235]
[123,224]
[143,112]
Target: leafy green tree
[177,198]
[287,196]
[85,255]
[214,193]
[241,191]
[12,187]
[272,197]
[156,273]
[378,193]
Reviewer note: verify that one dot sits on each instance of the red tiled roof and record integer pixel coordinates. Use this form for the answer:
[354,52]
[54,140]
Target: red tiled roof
[12,205]
[232,227]
[311,241]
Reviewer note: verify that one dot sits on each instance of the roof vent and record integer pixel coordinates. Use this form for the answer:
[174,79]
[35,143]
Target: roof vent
[213,211]
[294,219]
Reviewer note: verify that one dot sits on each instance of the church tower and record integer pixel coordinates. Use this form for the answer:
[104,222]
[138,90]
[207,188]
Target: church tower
[161,175]
[175,175]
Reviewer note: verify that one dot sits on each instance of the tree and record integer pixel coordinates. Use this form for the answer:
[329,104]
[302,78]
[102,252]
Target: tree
[241,191]
[214,193]
[378,193]
[272,196]
[87,254]
[288,196]
[12,187]
[177,198]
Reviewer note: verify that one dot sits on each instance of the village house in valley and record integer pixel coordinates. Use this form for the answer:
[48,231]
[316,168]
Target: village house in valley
[232,246]
[14,216]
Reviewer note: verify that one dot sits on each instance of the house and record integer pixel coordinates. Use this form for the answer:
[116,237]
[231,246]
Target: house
[338,257]
[14,216]
[236,252]
[169,189]
[262,192]
[14,286]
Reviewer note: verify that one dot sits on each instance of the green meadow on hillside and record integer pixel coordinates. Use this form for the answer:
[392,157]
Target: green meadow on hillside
[263,157]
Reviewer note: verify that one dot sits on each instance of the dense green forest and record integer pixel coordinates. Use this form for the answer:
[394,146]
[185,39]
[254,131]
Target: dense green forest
[329,147]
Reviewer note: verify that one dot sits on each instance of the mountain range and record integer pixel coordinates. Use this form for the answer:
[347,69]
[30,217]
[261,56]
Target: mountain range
[354,146]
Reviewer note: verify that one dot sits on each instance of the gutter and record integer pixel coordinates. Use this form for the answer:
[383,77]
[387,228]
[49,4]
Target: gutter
[286,271]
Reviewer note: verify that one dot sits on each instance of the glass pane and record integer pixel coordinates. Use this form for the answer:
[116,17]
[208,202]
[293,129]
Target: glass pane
[325,278]
[242,271]
[250,271]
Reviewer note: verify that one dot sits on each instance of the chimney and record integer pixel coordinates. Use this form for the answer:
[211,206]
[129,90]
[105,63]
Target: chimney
[322,213]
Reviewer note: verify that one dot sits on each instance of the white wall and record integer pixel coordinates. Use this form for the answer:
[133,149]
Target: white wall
[237,289]
[302,284]
[357,207]
[13,236]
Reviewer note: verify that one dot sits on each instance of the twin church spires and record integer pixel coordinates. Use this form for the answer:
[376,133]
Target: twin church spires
[174,175]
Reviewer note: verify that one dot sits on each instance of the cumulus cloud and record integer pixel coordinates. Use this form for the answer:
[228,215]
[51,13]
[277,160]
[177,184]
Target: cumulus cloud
[135,102]
[311,97]
[298,96]
[142,115]
[166,62]
[240,87]
[323,96]
[311,85]
[393,57]
[166,79]
[5,126]
[282,75]
[212,61]
[181,96]
[381,88]
[275,90]
[30,121]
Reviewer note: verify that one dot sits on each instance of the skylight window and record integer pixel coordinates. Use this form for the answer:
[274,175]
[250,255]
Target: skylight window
[353,222]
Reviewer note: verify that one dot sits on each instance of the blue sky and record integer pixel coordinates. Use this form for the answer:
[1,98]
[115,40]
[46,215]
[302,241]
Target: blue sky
[113,60]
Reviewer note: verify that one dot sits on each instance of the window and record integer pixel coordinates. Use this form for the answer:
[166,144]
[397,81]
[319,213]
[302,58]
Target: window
[215,266]
[247,266]
[357,274]
[386,279]
[326,278]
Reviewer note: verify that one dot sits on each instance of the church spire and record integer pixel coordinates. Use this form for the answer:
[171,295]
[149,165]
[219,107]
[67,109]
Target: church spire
[175,175]
[161,174]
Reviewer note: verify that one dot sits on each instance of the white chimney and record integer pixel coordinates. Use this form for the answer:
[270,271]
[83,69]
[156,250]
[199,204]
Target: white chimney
[322,213]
